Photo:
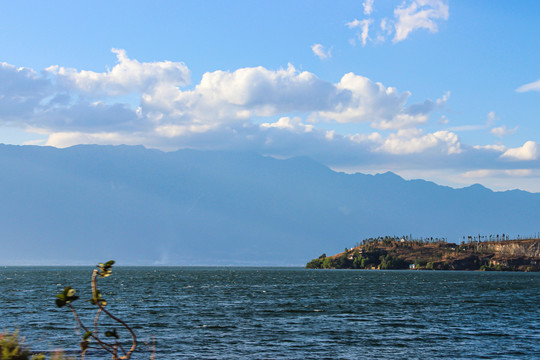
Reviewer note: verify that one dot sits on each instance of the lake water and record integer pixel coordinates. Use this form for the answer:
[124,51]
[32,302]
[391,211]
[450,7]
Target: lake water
[288,313]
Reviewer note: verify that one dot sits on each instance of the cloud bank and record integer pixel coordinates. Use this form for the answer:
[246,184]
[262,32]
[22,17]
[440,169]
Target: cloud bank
[283,112]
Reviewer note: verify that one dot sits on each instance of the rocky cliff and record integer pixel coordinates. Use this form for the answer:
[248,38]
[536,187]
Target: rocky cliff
[513,248]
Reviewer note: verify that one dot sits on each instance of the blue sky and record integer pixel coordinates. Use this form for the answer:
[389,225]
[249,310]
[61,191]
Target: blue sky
[443,90]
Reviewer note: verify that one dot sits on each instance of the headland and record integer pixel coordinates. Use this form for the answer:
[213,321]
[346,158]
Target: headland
[436,254]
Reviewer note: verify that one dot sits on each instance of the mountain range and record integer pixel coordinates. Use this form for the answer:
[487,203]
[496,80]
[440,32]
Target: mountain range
[138,206]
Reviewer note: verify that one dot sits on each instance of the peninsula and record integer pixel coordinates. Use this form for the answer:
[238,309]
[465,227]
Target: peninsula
[499,254]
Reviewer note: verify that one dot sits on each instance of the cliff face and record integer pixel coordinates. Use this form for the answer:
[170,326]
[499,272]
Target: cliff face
[514,248]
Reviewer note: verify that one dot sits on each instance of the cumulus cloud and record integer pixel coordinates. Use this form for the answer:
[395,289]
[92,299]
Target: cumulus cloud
[292,124]
[70,100]
[529,151]
[419,14]
[125,77]
[226,97]
[415,141]
[21,91]
[321,52]
[283,112]
[384,107]
[369,101]
[534,86]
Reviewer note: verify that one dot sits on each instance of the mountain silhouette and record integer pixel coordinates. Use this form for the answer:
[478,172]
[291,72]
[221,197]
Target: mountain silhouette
[90,203]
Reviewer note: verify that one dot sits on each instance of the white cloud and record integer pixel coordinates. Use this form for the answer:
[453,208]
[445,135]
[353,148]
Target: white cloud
[387,28]
[441,102]
[484,173]
[369,101]
[126,76]
[503,131]
[384,107]
[529,151]
[443,120]
[283,112]
[374,138]
[419,14]
[21,91]
[65,139]
[400,121]
[496,147]
[363,36]
[411,15]
[534,86]
[491,117]
[414,141]
[292,124]
[368,6]
[321,52]
[224,96]
[59,100]
[235,96]
[467,128]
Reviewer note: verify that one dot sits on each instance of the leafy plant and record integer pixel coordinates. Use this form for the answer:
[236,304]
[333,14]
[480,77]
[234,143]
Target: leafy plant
[91,338]
[12,347]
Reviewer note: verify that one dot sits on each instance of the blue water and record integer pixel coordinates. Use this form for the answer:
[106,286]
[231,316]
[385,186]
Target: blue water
[283,313]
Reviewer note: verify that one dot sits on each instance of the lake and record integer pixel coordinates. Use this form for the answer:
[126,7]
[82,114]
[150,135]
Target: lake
[287,313]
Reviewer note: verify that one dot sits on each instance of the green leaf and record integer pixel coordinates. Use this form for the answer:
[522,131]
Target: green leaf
[111,333]
[105,269]
[60,303]
[87,335]
[66,291]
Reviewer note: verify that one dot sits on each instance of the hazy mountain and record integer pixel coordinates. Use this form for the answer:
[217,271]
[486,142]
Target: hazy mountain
[92,203]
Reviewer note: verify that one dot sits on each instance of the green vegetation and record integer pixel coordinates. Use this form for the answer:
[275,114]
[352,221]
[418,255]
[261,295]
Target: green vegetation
[107,341]
[359,260]
[91,338]
[12,347]
[405,252]
[498,267]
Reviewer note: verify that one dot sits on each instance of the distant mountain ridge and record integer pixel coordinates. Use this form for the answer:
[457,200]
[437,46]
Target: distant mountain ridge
[92,203]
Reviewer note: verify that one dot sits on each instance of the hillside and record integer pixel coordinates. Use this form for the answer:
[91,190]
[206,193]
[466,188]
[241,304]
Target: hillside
[140,206]
[402,253]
